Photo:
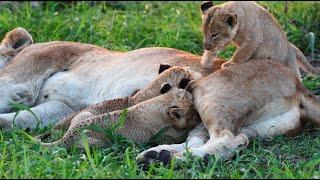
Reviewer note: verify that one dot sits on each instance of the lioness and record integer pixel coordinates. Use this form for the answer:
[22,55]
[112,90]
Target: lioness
[58,78]
[253,30]
[257,98]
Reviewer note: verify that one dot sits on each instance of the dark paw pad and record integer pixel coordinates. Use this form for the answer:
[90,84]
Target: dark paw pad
[151,154]
[165,157]
[206,158]
[148,158]
[144,164]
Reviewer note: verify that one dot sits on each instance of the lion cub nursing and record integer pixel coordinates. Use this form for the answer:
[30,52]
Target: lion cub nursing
[159,105]
[253,30]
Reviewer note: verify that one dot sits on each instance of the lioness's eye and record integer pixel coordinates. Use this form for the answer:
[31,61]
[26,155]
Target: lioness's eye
[214,35]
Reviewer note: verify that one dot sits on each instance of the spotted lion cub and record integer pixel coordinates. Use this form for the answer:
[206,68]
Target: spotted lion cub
[253,30]
[172,110]
[177,115]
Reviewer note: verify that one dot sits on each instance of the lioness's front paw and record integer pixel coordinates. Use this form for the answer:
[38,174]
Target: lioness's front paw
[151,156]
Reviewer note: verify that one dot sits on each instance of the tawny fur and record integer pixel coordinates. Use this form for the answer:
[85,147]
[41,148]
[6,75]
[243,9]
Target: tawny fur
[253,30]
[174,77]
[14,42]
[58,78]
[258,98]
[144,120]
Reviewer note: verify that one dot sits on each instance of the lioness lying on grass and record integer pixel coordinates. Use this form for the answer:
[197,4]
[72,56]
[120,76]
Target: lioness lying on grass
[58,78]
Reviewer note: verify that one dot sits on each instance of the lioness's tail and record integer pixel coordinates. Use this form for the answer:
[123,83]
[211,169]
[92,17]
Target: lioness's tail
[310,106]
[304,63]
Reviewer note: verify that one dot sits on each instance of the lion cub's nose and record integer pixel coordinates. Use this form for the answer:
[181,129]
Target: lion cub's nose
[206,46]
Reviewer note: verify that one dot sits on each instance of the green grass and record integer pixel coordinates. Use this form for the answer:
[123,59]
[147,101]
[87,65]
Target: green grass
[129,26]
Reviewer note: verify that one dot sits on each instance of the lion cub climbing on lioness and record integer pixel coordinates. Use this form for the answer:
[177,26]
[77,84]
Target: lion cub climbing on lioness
[253,30]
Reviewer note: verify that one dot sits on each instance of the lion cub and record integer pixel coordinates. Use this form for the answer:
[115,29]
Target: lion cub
[253,30]
[172,110]
[169,78]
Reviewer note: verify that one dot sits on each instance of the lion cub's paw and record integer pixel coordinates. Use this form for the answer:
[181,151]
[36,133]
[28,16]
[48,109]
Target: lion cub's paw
[227,64]
[149,157]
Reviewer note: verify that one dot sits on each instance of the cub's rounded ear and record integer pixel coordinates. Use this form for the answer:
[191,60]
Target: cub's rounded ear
[164,67]
[231,19]
[17,38]
[176,112]
[178,117]
[205,5]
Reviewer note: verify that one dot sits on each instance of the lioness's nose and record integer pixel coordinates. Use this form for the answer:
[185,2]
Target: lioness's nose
[206,46]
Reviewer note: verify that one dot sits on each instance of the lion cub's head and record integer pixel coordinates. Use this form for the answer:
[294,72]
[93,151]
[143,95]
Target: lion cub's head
[218,26]
[14,41]
[169,78]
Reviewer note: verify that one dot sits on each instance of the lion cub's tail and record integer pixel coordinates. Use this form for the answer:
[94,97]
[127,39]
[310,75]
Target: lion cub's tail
[310,106]
[304,63]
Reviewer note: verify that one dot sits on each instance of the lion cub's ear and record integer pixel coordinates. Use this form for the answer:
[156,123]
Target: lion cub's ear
[230,19]
[178,117]
[205,5]
[164,67]
[17,38]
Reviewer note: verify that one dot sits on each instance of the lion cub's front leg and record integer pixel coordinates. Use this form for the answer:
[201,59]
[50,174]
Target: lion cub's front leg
[246,50]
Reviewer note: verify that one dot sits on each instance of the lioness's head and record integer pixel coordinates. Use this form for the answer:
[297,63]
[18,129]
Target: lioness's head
[218,26]
[14,41]
[169,78]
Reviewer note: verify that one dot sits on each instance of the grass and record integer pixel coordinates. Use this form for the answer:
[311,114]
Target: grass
[128,26]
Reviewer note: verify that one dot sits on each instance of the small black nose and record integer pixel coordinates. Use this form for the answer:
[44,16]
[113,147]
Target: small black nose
[206,46]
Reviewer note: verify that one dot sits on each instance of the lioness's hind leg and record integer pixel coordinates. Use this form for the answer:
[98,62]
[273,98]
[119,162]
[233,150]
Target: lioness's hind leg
[224,143]
[275,125]
[47,113]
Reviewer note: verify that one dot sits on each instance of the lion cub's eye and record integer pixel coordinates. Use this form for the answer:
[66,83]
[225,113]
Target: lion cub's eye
[214,35]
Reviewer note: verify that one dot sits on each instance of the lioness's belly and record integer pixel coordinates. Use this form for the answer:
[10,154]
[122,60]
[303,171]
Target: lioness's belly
[94,82]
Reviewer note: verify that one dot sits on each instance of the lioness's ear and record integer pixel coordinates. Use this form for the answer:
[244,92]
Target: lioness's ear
[164,67]
[230,19]
[205,5]
[17,38]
